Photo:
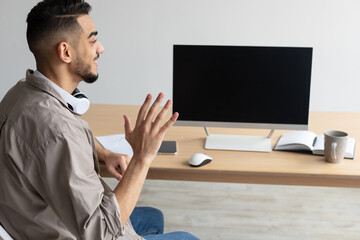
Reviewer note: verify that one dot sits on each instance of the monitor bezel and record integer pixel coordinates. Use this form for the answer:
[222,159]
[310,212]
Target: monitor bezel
[189,123]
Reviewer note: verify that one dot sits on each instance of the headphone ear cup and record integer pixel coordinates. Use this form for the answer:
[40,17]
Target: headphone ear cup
[83,104]
[79,102]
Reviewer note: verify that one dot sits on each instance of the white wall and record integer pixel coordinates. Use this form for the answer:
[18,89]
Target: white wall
[138,36]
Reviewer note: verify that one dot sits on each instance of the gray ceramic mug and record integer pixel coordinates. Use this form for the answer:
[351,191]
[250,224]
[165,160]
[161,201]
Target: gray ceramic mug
[335,145]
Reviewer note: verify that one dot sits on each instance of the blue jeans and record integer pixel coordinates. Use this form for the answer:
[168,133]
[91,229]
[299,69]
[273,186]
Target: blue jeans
[149,223]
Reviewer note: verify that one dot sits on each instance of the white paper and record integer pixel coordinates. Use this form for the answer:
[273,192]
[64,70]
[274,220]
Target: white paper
[116,143]
[320,143]
[291,139]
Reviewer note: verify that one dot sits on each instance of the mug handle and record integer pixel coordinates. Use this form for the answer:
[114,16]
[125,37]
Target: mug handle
[333,147]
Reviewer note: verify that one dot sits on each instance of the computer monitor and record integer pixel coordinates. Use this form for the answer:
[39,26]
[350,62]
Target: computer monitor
[242,87]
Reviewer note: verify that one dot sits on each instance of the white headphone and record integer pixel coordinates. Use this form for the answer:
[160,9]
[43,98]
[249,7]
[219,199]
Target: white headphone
[78,102]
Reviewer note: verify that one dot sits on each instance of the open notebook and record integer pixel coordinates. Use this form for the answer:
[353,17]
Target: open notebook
[309,141]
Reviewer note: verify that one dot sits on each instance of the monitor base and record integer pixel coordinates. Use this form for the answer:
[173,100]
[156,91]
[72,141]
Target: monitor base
[238,142]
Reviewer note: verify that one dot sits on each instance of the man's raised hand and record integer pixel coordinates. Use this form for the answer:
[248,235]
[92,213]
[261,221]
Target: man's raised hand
[146,137]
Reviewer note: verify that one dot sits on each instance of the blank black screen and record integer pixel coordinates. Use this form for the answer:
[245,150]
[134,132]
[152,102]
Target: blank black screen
[242,84]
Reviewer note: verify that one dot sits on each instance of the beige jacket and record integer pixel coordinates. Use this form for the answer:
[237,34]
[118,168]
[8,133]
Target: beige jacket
[49,175]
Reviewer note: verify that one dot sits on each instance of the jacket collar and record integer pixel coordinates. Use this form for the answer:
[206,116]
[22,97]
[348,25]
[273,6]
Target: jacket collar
[45,86]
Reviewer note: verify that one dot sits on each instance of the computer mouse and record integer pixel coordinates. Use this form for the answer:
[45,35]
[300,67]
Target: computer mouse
[199,159]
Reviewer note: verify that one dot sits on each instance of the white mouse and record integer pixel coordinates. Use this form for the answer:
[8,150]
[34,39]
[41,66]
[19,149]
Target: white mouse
[199,159]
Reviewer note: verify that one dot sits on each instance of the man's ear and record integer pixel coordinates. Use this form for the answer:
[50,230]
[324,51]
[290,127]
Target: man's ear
[64,52]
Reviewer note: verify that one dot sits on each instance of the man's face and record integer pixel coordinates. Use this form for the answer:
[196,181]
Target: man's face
[87,51]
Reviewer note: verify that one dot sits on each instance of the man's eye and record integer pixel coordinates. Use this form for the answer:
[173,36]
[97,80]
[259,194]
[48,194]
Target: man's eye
[94,41]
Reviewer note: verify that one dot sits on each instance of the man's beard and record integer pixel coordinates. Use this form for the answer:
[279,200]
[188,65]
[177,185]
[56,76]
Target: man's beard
[83,70]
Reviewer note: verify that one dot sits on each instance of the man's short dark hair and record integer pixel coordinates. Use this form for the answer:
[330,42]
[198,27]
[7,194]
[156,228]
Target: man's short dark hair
[50,19]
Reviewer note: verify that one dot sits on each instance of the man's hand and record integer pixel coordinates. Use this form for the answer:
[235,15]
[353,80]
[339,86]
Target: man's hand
[145,139]
[113,161]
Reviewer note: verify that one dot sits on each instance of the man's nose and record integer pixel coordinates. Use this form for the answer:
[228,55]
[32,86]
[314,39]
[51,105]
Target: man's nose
[100,48]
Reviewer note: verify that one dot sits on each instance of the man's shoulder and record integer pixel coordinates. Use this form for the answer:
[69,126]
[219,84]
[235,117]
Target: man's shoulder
[35,114]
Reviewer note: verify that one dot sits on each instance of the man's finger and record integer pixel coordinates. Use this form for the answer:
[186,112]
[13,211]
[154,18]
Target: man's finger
[162,114]
[152,111]
[114,173]
[127,125]
[123,165]
[143,110]
[169,123]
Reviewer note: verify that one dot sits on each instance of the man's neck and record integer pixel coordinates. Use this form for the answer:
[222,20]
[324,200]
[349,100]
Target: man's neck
[61,78]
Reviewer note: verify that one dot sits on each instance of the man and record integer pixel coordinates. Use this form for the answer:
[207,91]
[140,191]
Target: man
[50,187]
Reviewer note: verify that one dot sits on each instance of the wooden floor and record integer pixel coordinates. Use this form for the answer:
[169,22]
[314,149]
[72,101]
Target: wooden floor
[247,211]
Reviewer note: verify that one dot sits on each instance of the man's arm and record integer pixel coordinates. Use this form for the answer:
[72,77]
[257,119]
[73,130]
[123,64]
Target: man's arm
[145,139]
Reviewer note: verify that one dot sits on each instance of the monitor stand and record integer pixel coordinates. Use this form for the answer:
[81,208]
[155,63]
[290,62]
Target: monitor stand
[238,142]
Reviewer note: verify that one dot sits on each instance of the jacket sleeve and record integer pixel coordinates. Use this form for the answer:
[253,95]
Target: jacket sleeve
[71,186]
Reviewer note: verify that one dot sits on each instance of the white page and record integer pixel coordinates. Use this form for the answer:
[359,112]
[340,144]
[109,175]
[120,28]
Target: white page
[319,143]
[350,148]
[116,143]
[297,137]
